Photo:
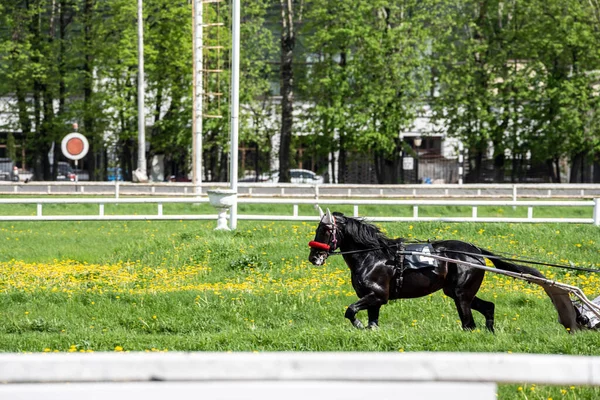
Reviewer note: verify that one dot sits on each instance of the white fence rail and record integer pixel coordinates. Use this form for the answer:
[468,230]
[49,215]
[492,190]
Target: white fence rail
[593,205]
[245,189]
[270,376]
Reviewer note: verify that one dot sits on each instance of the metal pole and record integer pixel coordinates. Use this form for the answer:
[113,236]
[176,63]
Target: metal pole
[198,96]
[235,105]
[141,167]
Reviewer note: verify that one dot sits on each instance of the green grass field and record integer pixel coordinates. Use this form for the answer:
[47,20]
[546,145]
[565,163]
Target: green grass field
[180,286]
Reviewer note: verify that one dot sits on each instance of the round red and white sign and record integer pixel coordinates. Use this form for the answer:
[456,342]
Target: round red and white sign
[75,146]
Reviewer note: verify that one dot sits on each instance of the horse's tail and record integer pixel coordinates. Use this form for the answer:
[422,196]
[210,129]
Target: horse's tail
[567,314]
[501,263]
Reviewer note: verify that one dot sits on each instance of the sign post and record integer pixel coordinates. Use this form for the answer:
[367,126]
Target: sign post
[75,146]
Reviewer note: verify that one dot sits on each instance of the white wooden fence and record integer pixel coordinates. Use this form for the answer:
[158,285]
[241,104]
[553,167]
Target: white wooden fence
[274,376]
[593,205]
[247,189]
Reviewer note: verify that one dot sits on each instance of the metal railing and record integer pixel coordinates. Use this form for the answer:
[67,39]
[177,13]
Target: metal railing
[593,205]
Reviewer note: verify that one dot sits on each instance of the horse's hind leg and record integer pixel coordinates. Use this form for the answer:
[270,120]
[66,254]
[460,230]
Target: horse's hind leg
[463,306]
[487,309]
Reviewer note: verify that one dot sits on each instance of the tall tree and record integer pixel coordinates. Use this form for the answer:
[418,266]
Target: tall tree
[291,17]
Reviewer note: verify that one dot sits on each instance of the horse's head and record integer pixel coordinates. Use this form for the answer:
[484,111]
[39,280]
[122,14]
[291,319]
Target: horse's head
[326,239]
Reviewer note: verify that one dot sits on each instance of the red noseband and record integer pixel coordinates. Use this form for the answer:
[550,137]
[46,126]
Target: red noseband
[318,245]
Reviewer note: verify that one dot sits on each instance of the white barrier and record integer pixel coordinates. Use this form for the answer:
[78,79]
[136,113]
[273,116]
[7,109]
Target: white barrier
[248,189]
[594,206]
[269,376]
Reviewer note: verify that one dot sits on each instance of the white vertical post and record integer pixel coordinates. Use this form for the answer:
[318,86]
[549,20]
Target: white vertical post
[514,195]
[235,104]
[101,210]
[39,209]
[198,95]
[141,164]
[529,212]
[474,213]
[356,210]
[597,212]
[460,162]
[415,211]
[295,210]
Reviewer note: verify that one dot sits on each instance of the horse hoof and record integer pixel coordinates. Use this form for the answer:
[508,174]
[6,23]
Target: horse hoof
[357,324]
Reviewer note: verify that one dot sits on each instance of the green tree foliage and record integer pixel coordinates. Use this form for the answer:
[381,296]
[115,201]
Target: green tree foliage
[521,77]
[370,76]
[515,80]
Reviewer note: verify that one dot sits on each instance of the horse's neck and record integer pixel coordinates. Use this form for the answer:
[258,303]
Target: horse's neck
[357,252]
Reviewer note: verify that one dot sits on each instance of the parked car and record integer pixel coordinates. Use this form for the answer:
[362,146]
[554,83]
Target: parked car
[250,176]
[6,169]
[82,174]
[65,172]
[299,176]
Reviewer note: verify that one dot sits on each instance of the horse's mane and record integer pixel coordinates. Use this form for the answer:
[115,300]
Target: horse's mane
[368,235]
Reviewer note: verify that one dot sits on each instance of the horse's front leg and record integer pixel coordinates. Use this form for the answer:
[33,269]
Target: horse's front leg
[373,303]
[373,313]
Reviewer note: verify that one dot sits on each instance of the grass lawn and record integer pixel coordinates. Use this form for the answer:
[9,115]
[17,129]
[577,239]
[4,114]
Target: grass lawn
[180,285]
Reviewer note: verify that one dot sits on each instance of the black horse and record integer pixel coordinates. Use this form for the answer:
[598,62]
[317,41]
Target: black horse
[372,259]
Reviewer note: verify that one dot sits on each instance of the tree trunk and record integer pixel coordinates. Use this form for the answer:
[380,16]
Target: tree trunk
[342,159]
[88,88]
[288,42]
[287,108]
[577,163]
[499,160]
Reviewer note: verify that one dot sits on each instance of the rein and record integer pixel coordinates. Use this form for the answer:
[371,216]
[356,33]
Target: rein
[572,267]
[327,248]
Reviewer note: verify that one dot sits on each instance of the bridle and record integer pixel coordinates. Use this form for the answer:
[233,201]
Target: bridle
[332,243]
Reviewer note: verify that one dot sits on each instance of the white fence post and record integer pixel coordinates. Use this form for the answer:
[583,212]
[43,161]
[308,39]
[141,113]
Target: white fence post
[597,211]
